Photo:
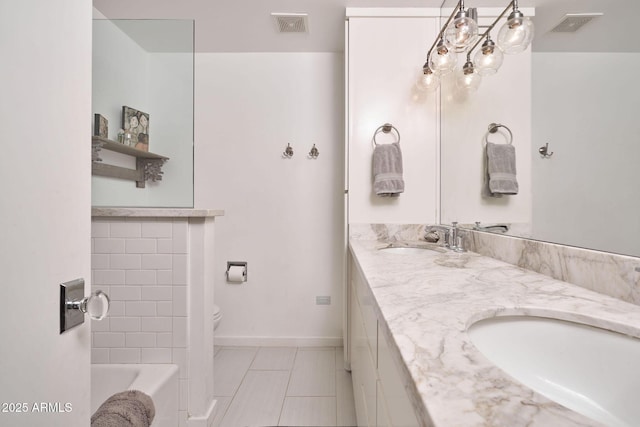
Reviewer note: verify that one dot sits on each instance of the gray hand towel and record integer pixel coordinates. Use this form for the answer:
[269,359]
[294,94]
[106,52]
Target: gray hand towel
[387,170]
[130,408]
[501,168]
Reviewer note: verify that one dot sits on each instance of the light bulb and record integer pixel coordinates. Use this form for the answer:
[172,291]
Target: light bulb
[516,34]
[462,31]
[488,59]
[428,80]
[468,79]
[444,59]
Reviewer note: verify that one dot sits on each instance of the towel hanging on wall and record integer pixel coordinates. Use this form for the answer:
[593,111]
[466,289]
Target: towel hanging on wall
[387,165]
[501,169]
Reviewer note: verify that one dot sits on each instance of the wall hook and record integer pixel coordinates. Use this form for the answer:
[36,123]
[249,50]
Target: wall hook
[314,153]
[544,151]
[288,152]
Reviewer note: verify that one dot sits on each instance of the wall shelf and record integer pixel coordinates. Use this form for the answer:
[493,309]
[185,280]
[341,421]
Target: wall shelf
[148,165]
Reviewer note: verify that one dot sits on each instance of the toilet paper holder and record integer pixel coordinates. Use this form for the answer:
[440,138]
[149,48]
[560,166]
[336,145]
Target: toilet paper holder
[242,264]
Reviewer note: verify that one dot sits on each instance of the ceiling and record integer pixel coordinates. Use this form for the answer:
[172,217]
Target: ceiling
[247,26]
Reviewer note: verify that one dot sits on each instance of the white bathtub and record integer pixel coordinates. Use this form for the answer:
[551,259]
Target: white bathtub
[158,381]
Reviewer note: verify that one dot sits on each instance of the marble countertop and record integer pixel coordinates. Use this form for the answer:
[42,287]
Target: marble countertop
[155,212]
[426,302]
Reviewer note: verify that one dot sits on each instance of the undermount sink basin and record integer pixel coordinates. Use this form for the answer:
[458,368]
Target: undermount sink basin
[404,250]
[590,370]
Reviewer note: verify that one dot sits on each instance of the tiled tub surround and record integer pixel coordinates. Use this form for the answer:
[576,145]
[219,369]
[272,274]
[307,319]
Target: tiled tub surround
[156,266]
[426,301]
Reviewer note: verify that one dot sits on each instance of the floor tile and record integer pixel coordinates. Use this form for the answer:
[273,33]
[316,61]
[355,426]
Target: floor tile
[230,366]
[222,405]
[258,401]
[345,406]
[313,373]
[308,411]
[274,359]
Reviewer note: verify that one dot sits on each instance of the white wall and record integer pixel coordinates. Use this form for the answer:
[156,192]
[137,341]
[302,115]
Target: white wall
[574,201]
[45,223]
[385,58]
[283,216]
[160,84]
[503,98]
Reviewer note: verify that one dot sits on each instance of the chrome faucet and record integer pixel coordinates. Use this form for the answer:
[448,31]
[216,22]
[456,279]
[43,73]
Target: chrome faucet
[451,239]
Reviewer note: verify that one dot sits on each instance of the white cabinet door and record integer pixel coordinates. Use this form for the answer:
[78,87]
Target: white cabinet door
[399,408]
[385,57]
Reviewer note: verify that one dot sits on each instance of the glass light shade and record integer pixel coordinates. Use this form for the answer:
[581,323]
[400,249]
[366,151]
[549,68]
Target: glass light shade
[428,81]
[468,79]
[461,32]
[488,59]
[516,34]
[443,60]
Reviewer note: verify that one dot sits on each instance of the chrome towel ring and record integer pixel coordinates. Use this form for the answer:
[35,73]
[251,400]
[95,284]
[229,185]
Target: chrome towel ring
[493,128]
[385,128]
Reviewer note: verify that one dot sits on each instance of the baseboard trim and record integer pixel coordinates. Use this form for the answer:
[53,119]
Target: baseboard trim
[278,341]
[205,420]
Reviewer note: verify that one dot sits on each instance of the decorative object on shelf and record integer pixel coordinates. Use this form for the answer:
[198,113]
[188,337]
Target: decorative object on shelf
[288,152]
[544,151]
[148,165]
[100,126]
[137,124]
[127,139]
[460,34]
[314,153]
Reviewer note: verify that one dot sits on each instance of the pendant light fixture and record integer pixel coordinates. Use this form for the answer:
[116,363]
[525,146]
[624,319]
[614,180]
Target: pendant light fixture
[460,34]
[488,58]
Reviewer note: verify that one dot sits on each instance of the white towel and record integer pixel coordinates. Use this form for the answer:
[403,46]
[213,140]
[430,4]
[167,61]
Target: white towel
[387,170]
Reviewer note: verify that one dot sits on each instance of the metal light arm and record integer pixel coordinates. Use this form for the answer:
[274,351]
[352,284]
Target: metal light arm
[458,7]
[514,4]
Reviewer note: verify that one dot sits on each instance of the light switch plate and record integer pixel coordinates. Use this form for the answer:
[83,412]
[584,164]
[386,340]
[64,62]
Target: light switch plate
[71,291]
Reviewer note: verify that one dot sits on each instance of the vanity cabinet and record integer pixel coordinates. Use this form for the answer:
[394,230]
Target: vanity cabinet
[380,396]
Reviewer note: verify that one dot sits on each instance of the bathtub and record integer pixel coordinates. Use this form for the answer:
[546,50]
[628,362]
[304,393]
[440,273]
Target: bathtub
[158,381]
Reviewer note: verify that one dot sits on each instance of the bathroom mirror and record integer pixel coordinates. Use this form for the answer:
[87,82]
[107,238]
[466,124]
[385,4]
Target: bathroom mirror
[148,66]
[583,105]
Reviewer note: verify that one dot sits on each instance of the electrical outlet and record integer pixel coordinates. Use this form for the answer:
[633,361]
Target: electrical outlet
[323,300]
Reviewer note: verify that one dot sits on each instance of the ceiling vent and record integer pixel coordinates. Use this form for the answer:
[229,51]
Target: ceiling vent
[291,22]
[573,21]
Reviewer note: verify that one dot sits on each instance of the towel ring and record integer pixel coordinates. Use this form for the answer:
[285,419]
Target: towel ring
[385,128]
[493,128]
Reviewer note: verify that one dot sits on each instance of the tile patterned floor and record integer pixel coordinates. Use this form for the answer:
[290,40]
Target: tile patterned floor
[282,386]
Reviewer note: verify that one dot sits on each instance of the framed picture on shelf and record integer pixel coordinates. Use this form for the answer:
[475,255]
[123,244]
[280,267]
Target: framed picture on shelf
[100,126]
[136,123]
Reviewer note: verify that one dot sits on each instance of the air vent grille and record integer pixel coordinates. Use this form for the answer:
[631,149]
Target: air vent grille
[291,22]
[574,21]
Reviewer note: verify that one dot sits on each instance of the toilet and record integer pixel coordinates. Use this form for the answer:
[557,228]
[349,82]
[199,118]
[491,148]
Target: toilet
[217,316]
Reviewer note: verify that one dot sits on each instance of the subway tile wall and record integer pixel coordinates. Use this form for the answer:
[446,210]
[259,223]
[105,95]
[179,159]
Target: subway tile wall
[141,263]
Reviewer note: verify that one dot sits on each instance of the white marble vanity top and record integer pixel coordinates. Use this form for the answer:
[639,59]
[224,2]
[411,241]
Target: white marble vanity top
[427,300]
[156,212]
